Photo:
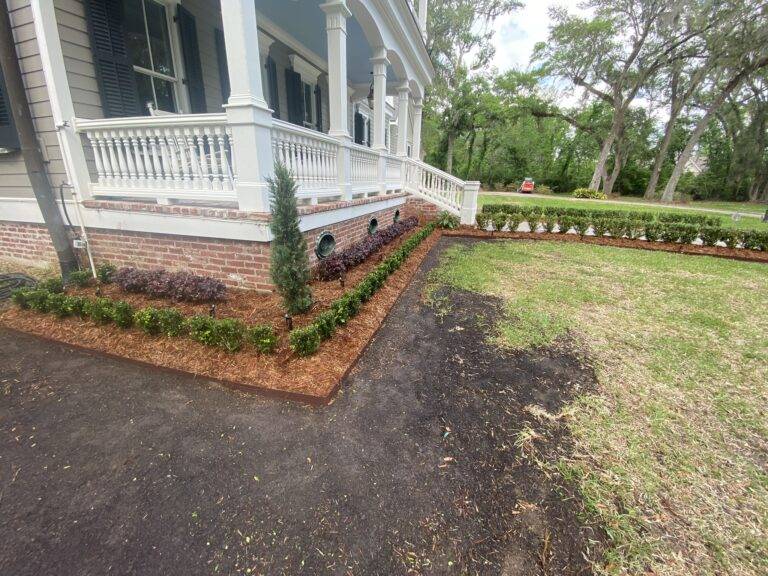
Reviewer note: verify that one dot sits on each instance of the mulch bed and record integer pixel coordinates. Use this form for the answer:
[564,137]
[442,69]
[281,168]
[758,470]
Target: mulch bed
[692,249]
[314,379]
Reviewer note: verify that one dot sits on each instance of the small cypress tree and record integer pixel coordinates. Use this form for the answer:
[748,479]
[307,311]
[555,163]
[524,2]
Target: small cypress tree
[289,263]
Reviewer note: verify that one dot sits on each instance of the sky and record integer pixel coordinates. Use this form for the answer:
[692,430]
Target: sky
[517,33]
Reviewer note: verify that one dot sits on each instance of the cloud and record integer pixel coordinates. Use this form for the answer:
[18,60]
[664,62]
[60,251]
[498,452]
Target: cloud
[517,33]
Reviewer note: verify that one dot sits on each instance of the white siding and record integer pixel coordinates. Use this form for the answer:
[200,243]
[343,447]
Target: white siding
[14,181]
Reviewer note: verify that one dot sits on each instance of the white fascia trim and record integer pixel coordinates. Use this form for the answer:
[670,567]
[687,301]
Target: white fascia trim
[26,210]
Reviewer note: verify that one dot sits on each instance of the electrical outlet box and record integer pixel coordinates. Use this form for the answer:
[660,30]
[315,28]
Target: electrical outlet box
[78,243]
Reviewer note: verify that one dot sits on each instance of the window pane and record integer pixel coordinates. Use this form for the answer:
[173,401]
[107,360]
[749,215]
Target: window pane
[158,37]
[166,99]
[308,103]
[136,34]
[144,84]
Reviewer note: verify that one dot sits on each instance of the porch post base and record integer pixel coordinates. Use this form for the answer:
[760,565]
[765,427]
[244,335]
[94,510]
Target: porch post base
[469,203]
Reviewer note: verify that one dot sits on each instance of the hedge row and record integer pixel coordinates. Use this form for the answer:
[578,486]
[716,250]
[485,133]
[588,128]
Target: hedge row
[651,229]
[305,341]
[225,333]
[549,212]
[179,286]
[333,267]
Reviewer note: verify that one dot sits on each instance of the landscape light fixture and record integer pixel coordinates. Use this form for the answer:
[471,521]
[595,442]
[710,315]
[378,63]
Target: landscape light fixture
[289,322]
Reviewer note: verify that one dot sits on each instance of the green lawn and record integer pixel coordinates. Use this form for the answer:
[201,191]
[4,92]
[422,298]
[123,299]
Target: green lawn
[670,451]
[745,223]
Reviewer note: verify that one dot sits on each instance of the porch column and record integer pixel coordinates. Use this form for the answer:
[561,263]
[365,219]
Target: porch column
[423,17]
[336,14]
[248,116]
[265,43]
[403,102]
[380,64]
[418,107]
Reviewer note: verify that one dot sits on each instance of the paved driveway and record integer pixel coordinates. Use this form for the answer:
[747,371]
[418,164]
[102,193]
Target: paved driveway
[111,468]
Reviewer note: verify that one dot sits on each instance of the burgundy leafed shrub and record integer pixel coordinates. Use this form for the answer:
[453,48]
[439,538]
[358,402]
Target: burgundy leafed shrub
[179,286]
[335,265]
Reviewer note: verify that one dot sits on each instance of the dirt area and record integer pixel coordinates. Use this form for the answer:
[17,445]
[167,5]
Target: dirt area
[418,466]
[716,251]
[314,379]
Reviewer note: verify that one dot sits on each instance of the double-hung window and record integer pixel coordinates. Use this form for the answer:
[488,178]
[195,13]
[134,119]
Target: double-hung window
[309,105]
[148,40]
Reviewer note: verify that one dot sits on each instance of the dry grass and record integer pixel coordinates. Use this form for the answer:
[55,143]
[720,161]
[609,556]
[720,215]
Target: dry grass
[671,452]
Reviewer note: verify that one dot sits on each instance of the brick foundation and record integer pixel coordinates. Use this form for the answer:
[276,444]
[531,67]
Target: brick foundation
[236,262]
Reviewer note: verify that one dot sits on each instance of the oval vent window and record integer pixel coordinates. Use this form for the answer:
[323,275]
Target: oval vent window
[326,244]
[373,225]
[396,217]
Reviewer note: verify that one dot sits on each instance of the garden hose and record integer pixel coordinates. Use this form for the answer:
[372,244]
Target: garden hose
[11,282]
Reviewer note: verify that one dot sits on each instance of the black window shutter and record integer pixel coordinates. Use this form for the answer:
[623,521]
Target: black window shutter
[221,58]
[274,95]
[359,128]
[319,107]
[9,137]
[114,71]
[191,53]
[295,94]
[368,134]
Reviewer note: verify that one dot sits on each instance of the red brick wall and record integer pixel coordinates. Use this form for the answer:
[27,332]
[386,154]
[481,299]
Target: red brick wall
[236,262]
[28,242]
[420,208]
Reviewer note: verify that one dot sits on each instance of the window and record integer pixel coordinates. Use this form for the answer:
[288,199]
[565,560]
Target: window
[309,105]
[149,48]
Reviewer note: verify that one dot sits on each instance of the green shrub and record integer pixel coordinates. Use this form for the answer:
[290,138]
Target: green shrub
[37,300]
[20,297]
[447,221]
[80,278]
[550,223]
[543,189]
[148,320]
[170,322]
[229,334]
[755,240]
[200,329]
[79,306]
[262,337]
[122,314]
[100,310]
[684,233]
[305,341]
[616,227]
[565,224]
[289,265]
[59,305]
[55,285]
[105,271]
[730,237]
[499,221]
[710,235]
[483,220]
[588,193]
[326,324]
[653,231]
[346,307]
[600,226]
[634,228]
[580,226]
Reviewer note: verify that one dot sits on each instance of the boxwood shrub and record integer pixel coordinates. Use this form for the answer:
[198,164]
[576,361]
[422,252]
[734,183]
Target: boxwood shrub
[262,337]
[100,310]
[171,322]
[122,314]
[80,278]
[305,341]
[148,320]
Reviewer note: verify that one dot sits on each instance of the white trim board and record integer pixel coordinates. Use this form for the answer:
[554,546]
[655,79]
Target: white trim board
[25,210]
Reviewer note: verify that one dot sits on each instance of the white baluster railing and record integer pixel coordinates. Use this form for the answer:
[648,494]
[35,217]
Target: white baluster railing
[311,156]
[184,156]
[364,168]
[442,189]
[394,170]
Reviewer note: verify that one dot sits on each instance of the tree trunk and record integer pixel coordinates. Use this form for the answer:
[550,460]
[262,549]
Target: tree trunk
[661,155]
[30,147]
[470,154]
[449,154]
[685,156]
[605,152]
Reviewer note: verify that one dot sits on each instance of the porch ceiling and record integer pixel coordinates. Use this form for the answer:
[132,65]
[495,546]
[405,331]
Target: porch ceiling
[305,21]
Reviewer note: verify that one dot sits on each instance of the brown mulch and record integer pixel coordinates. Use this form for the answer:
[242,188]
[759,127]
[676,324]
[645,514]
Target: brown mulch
[692,249]
[314,379]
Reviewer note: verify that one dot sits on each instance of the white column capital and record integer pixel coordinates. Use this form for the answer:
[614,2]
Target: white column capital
[337,13]
[379,59]
[418,103]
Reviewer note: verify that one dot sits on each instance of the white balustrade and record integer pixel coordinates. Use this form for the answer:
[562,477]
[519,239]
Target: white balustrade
[311,156]
[166,157]
[434,185]
[394,170]
[364,167]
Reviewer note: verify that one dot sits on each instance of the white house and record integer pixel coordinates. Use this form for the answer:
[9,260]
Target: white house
[165,118]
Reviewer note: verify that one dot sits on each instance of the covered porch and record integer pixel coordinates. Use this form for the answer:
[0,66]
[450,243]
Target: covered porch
[198,108]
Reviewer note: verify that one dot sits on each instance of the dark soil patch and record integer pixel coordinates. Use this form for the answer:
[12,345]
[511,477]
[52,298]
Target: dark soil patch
[691,249]
[314,379]
[111,468]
